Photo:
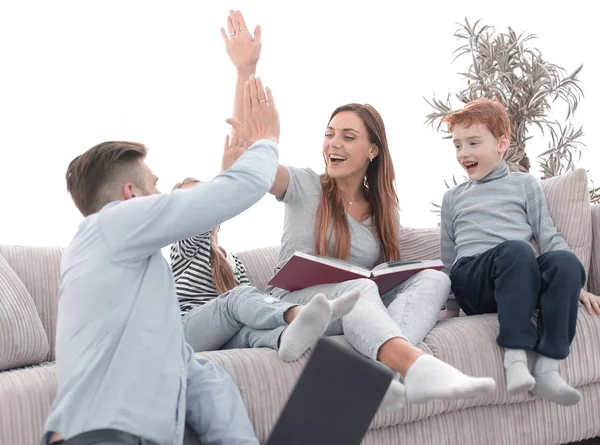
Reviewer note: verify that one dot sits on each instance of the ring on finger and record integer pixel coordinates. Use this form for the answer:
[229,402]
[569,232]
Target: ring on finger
[231,34]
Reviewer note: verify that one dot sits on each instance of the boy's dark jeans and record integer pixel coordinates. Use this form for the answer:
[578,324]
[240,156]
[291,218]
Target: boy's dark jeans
[511,281]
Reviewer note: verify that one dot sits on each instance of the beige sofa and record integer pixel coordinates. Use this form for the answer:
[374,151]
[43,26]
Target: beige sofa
[28,291]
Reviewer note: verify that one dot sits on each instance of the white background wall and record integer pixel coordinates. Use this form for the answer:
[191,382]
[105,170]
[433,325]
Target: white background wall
[76,73]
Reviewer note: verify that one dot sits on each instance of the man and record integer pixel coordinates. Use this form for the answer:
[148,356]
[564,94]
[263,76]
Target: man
[125,373]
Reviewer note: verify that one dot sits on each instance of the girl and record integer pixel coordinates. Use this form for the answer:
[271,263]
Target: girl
[216,300]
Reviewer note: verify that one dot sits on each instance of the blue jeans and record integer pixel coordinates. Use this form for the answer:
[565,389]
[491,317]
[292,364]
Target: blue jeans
[511,281]
[210,326]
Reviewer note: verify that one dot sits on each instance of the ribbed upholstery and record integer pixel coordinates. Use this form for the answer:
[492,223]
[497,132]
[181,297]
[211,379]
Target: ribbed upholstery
[26,395]
[466,342]
[419,244]
[23,340]
[569,204]
[39,270]
[265,382]
[260,264]
[594,275]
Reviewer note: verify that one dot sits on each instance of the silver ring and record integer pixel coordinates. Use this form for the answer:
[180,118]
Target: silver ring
[262,100]
[231,34]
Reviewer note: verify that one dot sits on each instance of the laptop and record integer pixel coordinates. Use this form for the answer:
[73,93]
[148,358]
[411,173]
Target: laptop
[334,400]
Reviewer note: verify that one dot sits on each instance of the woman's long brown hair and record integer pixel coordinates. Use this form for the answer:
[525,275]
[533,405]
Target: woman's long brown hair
[222,272]
[331,225]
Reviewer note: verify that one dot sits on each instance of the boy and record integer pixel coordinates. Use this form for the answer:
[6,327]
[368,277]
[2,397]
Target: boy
[487,224]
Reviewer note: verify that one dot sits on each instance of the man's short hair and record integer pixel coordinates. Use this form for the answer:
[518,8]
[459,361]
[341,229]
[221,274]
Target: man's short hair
[91,177]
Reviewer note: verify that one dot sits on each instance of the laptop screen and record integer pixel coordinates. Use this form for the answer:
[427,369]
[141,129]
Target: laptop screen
[334,400]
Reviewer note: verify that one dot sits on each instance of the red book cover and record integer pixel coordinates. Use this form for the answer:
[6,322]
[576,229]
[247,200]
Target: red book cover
[303,270]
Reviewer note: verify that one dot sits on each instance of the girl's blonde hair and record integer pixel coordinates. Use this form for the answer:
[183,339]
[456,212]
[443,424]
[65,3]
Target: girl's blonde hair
[222,272]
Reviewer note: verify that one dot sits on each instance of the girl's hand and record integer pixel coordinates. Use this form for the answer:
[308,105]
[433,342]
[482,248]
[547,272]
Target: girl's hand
[233,149]
[242,48]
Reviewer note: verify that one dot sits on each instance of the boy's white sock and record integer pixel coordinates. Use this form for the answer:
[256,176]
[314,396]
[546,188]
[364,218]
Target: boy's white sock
[550,385]
[518,377]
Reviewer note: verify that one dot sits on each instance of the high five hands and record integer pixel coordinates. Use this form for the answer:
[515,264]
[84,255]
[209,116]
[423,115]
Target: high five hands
[261,121]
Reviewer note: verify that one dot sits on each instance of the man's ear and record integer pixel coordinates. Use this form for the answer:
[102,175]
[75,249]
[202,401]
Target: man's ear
[128,191]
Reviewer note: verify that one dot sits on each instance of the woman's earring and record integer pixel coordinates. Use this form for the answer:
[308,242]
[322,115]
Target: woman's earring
[370,159]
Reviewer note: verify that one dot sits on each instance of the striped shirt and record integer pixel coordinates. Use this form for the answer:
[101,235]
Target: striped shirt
[192,269]
[479,215]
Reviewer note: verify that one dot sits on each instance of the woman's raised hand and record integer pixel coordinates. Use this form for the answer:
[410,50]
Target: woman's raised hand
[242,48]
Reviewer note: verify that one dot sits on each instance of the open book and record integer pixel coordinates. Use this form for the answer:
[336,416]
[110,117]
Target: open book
[304,270]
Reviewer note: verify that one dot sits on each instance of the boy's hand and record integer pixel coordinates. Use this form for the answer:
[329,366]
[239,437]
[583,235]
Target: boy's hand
[445,314]
[590,301]
[242,48]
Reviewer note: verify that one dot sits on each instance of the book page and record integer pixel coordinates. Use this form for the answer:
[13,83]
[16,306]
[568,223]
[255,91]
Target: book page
[335,262]
[392,264]
[407,265]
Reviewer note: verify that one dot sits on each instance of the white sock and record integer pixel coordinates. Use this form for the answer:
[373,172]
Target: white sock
[518,377]
[429,378]
[343,304]
[306,329]
[395,397]
[550,385]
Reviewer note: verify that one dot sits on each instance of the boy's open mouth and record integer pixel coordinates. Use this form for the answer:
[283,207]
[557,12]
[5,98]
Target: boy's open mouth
[336,159]
[470,166]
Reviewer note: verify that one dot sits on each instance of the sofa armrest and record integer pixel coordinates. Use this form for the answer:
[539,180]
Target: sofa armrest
[419,244]
[39,270]
[594,275]
[26,395]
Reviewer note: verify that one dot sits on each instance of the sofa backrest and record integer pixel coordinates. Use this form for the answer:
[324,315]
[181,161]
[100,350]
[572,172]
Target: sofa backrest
[38,268]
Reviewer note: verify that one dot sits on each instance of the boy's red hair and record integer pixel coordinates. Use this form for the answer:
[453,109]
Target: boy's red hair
[488,112]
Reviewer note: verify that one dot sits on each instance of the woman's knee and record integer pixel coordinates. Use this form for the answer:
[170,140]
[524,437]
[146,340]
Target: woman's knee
[436,283]
[435,277]
[365,285]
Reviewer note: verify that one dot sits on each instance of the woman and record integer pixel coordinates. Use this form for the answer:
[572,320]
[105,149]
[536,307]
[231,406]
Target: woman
[351,212]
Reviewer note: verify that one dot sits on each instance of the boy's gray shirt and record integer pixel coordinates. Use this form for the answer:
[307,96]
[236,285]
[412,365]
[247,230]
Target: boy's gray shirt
[479,215]
[122,360]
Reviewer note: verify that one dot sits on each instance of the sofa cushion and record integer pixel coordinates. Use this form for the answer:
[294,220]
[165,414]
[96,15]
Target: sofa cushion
[23,340]
[569,204]
[419,244]
[469,343]
[260,264]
